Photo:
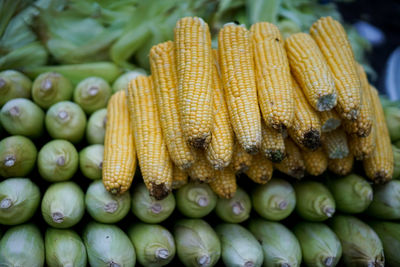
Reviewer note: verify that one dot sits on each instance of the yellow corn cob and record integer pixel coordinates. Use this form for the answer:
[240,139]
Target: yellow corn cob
[342,166]
[194,65]
[362,147]
[293,163]
[237,73]
[335,46]
[119,162]
[316,162]
[219,152]
[272,75]
[306,126]
[154,161]
[272,145]
[179,179]
[335,144]
[330,120]
[163,69]
[241,160]
[379,166]
[260,170]
[224,184]
[201,169]
[311,71]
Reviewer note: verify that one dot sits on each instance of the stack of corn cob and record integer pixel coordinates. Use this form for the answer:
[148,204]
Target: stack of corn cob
[258,102]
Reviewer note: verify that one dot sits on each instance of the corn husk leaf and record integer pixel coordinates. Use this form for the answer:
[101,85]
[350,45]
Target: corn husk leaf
[386,202]
[389,234]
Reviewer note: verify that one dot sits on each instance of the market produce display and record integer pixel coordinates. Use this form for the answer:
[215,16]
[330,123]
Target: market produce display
[263,145]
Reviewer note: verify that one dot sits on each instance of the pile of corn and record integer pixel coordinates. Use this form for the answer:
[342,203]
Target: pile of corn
[255,104]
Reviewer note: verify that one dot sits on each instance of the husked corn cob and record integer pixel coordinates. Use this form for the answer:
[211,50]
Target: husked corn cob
[193,56]
[274,86]
[272,145]
[306,126]
[163,69]
[362,147]
[179,178]
[316,162]
[260,170]
[219,152]
[154,161]
[201,170]
[335,144]
[293,163]
[332,40]
[342,166]
[119,162]
[224,184]
[379,166]
[311,71]
[237,73]
[241,160]
[330,120]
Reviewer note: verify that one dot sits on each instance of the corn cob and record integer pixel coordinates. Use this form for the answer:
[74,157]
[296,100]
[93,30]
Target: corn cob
[272,145]
[379,166]
[154,161]
[330,120]
[224,184]
[179,178]
[316,162]
[306,126]
[193,58]
[201,169]
[311,71]
[272,75]
[241,160]
[119,162]
[362,147]
[342,166]
[163,69]
[260,170]
[335,144]
[237,72]
[335,46]
[219,152]
[293,163]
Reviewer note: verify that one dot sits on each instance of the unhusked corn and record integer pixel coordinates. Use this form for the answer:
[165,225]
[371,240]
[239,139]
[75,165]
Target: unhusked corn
[272,145]
[316,162]
[201,170]
[224,184]
[241,160]
[260,170]
[293,163]
[335,144]
[330,120]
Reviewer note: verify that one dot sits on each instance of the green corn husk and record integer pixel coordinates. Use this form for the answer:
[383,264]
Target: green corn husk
[234,210]
[396,159]
[319,244]
[92,94]
[392,116]
[66,120]
[63,205]
[50,88]
[352,193]
[280,246]
[239,247]
[96,127]
[64,248]
[17,156]
[123,81]
[361,245]
[314,202]
[105,207]
[275,200]
[19,199]
[389,234]
[195,200]
[397,144]
[58,161]
[147,208]
[197,244]
[91,161]
[108,246]
[77,72]
[22,245]
[386,202]
[14,84]
[21,116]
[154,244]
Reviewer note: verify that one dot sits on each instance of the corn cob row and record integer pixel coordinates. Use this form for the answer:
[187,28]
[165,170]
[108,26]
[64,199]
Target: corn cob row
[201,170]
[179,178]
[316,162]
[272,145]
[241,160]
[119,162]
[342,166]
[224,184]
[335,144]
[260,170]
[330,120]
[193,56]
[154,161]
[293,163]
